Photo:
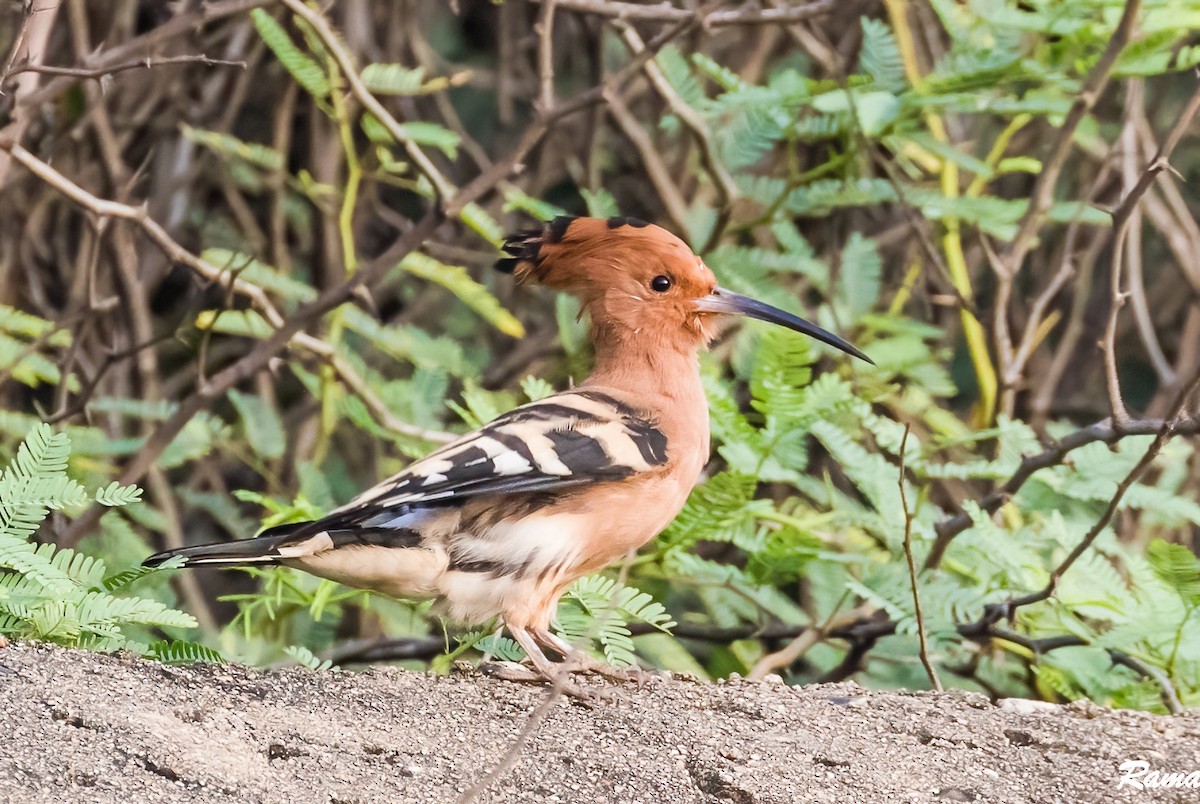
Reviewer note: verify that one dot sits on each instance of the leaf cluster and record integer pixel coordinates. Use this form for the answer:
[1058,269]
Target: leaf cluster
[60,595]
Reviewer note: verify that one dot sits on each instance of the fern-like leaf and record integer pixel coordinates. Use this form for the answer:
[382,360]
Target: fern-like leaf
[307,658]
[302,68]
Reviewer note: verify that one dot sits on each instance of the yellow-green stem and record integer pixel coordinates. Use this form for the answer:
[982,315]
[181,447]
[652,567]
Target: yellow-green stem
[330,388]
[956,261]
[977,185]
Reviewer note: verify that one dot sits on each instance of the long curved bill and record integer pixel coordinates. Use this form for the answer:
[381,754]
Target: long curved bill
[726,301]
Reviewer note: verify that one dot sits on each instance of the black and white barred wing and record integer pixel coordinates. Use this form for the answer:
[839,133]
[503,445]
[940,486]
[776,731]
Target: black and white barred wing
[565,440]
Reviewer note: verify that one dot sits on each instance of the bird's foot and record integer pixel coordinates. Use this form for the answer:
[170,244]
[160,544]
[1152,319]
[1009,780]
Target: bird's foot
[562,682]
[575,660]
[580,662]
[559,679]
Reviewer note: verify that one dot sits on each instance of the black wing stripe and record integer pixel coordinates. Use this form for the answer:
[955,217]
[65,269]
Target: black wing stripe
[375,537]
[471,456]
[516,444]
[652,443]
[583,454]
[626,411]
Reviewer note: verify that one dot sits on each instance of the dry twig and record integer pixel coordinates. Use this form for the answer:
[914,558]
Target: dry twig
[930,669]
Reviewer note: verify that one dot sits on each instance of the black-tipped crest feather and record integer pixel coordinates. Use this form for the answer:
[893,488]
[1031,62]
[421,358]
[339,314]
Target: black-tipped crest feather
[525,246]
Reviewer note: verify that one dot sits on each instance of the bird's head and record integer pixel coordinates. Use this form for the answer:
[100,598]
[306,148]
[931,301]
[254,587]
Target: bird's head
[637,280]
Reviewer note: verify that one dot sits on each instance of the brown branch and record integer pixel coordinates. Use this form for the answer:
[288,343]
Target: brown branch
[1120,424]
[930,669]
[139,216]
[1170,695]
[367,651]
[1160,162]
[1108,346]
[1105,431]
[1013,361]
[101,72]
[1042,196]
[788,655]
[224,276]
[1170,426]
[177,25]
[1042,645]
[863,638]
[714,18]
[1064,355]
[30,45]
[544,28]
[656,169]
[402,648]
[253,362]
[1126,225]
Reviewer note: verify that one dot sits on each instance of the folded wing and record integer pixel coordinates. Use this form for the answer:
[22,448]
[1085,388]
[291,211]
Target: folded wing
[555,444]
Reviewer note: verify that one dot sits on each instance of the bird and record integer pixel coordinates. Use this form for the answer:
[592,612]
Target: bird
[496,525]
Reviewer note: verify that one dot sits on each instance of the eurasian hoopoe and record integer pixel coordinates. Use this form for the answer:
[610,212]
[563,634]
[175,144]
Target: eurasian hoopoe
[500,522]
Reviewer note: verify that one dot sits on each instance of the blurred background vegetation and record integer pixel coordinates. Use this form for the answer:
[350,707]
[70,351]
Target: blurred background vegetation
[245,256]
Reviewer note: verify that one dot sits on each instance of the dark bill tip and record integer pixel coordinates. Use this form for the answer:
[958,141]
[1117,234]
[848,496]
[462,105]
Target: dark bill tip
[730,303]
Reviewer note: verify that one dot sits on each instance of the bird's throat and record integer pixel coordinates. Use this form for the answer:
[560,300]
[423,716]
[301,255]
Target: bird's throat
[649,369]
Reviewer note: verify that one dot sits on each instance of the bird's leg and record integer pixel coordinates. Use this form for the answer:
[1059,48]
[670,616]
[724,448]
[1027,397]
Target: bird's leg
[576,660]
[529,643]
[543,669]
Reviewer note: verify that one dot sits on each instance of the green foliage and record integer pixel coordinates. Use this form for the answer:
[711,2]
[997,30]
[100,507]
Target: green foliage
[179,651]
[60,595]
[261,425]
[852,539]
[306,658]
[455,279]
[20,336]
[596,611]
[305,70]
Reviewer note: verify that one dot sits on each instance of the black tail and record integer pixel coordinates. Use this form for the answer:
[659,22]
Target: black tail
[263,549]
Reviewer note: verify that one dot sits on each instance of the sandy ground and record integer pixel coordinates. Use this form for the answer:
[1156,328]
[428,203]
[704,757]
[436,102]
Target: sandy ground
[83,727]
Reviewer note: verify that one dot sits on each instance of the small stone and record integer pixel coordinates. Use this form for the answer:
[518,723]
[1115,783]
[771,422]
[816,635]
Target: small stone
[1026,706]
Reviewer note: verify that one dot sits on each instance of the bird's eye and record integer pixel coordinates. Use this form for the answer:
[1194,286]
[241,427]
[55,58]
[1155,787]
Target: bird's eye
[660,283]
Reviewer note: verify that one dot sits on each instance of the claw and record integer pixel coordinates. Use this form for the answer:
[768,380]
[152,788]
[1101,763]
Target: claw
[513,671]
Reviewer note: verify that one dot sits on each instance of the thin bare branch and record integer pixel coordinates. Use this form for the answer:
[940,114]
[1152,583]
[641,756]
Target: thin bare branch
[930,668]
[1170,426]
[155,231]
[723,183]
[656,169]
[545,32]
[1105,431]
[1042,195]
[708,18]
[142,64]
